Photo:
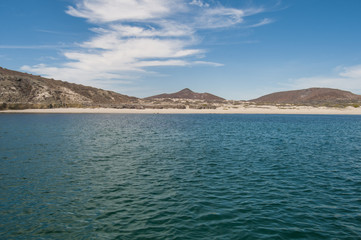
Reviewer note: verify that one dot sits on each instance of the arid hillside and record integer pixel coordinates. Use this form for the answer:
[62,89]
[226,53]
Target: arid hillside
[311,96]
[27,90]
[188,94]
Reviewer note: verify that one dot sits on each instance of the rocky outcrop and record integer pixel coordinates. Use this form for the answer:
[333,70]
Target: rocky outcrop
[27,89]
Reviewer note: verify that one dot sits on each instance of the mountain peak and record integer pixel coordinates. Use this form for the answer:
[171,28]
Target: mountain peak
[186,90]
[186,93]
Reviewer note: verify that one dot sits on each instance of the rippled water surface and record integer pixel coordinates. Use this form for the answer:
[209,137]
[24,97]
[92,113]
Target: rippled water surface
[180,177]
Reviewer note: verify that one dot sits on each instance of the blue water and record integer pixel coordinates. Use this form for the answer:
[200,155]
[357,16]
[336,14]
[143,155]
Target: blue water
[83,176]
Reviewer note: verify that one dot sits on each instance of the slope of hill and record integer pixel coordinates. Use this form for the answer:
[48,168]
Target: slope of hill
[188,94]
[27,89]
[311,96]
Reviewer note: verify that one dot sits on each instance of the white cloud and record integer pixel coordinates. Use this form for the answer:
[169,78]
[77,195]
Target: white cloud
[199,3]
[167,29]
[352,72]
[89,77]
[103,11]
[261,23]
[208,63]
[219,17]
[346,78]
[131,36]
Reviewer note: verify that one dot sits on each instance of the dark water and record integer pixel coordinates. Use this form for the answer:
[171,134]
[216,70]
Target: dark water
[180,177]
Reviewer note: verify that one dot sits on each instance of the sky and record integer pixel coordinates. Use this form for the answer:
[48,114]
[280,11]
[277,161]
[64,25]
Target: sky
[236,49]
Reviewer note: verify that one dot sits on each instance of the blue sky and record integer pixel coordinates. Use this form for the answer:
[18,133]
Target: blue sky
[232,48]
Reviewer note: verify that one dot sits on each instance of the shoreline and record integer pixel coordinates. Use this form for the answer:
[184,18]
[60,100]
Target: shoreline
[264,109]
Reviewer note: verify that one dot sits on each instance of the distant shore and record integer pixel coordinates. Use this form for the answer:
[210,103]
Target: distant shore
[262,109]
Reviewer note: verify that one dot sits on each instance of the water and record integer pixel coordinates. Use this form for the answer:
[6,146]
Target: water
[180,177]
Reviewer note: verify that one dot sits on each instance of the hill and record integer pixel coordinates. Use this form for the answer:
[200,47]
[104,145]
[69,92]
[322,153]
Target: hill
[22,90]
[188,94]
[311,96]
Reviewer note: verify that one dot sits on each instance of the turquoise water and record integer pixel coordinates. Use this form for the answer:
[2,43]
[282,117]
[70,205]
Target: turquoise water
[180,177]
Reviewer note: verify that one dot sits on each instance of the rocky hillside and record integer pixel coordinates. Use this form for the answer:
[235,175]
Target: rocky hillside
[27,90]
[188,94]
[311,96]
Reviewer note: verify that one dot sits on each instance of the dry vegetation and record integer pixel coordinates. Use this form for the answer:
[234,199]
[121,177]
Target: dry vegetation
[25,91]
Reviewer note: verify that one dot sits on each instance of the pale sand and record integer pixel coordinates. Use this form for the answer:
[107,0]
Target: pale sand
[222,110]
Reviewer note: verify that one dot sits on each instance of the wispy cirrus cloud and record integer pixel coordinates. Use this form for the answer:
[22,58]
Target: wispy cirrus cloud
[352,72]
[131,36]
[346,78]
[55,32]
[264,21]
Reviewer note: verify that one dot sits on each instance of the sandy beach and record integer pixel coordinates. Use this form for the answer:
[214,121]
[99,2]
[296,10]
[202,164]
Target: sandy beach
[222,110]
